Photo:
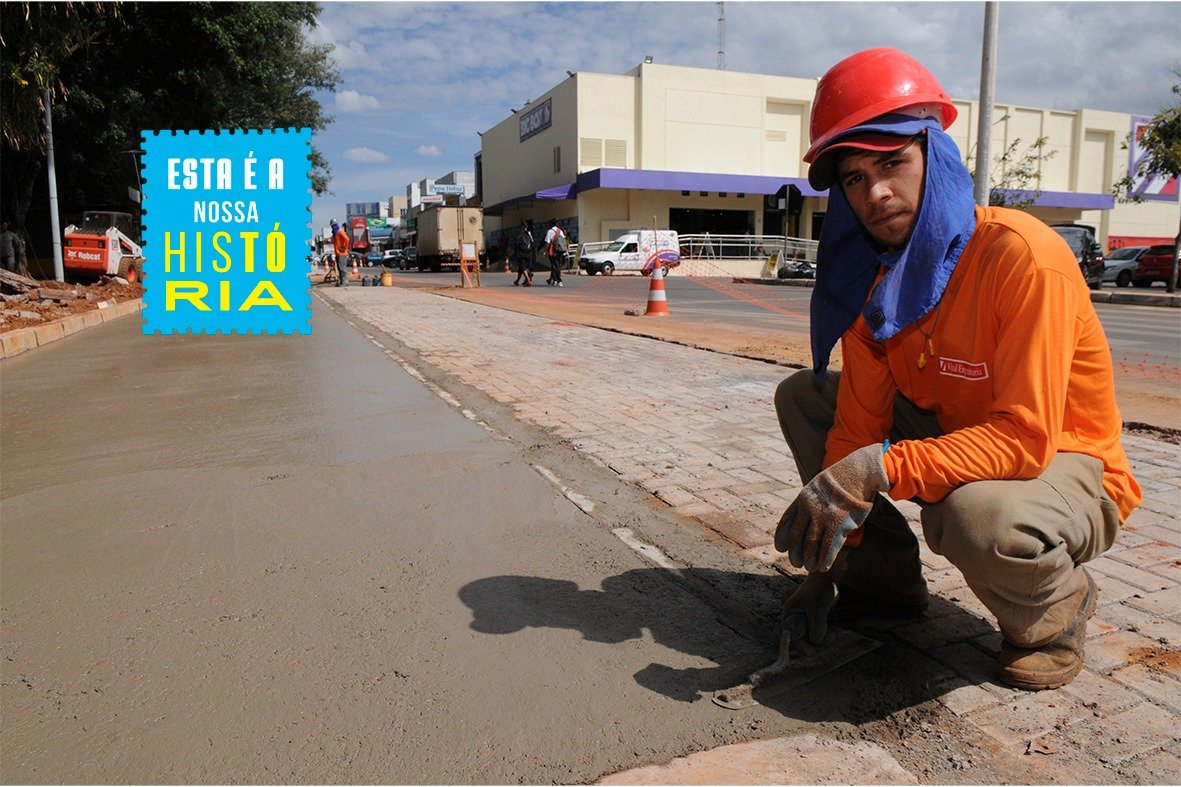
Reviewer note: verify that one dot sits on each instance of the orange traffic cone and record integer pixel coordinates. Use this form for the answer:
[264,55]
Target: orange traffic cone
[657,303]
[356,273]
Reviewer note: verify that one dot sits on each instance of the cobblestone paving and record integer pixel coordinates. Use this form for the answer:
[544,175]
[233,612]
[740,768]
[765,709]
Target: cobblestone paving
[698,430]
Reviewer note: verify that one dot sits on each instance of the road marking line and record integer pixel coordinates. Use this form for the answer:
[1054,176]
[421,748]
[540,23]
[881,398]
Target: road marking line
[585,504]
[649,551]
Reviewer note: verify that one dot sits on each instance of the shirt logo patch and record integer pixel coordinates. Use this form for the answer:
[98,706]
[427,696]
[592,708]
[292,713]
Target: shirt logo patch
[963,369]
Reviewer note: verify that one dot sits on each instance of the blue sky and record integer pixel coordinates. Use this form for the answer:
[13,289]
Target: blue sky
[419,80]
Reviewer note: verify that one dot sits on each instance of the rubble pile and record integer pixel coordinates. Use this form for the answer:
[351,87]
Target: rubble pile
[30,302]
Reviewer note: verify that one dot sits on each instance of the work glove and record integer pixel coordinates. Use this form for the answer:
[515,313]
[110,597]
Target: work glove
[830,507]
[805,611]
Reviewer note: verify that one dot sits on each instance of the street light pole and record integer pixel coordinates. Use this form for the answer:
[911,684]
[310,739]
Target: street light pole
[987,88]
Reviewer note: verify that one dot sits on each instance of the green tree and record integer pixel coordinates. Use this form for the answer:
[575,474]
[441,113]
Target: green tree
[1015,173]
[117,69]
[1161,143]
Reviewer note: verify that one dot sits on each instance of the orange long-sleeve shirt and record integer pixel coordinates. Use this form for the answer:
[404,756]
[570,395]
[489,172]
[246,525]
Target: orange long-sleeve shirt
[340,243]
[1021,370]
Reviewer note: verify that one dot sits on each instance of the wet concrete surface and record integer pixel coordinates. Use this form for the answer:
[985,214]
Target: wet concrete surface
[285,559]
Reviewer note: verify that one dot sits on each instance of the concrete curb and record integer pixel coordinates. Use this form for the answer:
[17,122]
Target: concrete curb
[24,339]
[1138,298]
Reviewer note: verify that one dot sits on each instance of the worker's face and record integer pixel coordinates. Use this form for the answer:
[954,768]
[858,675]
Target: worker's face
[885,191]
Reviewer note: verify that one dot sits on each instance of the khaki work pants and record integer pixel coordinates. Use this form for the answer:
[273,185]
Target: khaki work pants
[1019,543]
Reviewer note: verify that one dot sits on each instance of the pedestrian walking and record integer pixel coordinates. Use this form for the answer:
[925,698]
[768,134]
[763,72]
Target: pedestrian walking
[523,254]
[556,245]
[977,381]
[12,249]
[340,246]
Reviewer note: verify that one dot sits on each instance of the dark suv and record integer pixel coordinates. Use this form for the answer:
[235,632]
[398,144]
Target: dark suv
[1087,252]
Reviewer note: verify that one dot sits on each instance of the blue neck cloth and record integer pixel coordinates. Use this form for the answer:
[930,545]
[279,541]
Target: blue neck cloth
[847,262]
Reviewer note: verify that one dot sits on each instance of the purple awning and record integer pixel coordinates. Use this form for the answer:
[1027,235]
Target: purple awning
[558,192]
[1061,199]
[658,180]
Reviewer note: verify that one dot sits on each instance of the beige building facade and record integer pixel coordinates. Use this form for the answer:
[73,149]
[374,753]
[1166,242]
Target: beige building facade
[706,150]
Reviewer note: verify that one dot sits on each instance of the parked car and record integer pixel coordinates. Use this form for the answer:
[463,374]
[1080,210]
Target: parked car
[1120,265]
[1087,252]
[373,257]
[391,258]
[1156,264]
[409,258]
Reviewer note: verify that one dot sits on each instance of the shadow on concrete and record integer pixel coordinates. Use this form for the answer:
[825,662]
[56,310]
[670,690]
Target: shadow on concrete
[893,677]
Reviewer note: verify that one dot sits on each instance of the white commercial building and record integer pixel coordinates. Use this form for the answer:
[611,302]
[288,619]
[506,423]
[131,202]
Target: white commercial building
[704,150]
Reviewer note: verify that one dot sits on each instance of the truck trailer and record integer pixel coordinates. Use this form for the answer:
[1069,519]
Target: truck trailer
[442,230]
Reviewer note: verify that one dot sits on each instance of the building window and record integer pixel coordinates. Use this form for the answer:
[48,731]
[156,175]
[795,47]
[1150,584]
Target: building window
[557,159]
[684,194]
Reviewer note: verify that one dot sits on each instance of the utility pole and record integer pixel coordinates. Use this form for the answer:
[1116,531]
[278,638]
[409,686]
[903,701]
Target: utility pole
[987,88]
[59,271]
[721,36]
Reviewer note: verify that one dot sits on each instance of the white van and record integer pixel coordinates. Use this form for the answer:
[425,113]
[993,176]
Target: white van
[638,250]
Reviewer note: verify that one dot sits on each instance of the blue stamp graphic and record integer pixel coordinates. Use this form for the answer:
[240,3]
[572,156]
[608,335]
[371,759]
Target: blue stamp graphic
[226,231]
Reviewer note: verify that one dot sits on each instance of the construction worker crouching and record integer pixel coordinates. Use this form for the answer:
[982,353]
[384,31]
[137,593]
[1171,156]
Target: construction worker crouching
[977,381]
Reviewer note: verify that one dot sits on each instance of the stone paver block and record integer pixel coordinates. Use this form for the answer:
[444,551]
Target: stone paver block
[674,495]
[1137,731]
[1015,722]
[1162,603]
[1129,618]
[1112,591]
[737,530]
[1129,574]
[1160,767]
[1100,693]
[963,698]
[1162,687]
[1149,555]
[945,630]
[976,667]
[1112,651]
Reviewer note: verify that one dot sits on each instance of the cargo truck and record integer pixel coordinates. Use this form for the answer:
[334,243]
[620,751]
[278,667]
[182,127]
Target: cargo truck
[441,232]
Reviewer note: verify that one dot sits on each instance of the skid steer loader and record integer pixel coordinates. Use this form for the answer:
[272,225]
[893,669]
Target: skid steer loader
[102,245]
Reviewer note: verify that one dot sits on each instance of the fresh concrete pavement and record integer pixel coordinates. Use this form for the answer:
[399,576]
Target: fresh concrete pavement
[697,430]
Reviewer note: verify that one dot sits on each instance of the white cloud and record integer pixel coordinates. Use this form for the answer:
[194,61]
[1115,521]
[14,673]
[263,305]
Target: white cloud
[363,155]
[352,101]
[409,73]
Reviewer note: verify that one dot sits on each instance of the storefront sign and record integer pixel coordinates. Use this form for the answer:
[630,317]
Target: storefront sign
[1161,187]
[536,120]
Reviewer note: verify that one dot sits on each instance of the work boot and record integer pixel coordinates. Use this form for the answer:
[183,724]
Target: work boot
[885,575]
[1057,662]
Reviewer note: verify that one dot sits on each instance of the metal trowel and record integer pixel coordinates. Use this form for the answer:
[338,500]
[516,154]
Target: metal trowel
[795,669]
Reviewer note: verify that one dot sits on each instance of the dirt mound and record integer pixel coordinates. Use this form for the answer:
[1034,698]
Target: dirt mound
[31,303]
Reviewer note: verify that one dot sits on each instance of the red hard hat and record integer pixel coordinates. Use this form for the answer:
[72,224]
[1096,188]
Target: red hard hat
[872,83]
